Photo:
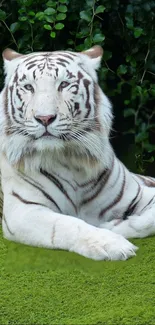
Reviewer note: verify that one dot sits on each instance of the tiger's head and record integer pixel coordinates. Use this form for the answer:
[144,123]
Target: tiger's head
[51,101]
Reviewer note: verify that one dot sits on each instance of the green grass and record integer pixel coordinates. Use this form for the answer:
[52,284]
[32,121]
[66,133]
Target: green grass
[40,286]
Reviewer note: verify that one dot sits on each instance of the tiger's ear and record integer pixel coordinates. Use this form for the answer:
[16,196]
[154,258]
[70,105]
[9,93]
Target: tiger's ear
[10,59]
[9,54]
[95,54]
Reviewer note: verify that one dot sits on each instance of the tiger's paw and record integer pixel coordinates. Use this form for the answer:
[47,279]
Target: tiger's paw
[102,244]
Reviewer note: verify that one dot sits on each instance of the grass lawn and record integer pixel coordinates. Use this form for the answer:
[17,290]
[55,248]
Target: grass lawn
[40,286]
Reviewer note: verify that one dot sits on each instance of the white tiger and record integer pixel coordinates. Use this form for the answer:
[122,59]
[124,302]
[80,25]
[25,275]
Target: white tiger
[63,186]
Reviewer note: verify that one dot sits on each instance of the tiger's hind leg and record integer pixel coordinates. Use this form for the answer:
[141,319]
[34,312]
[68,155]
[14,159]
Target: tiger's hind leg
[136,226]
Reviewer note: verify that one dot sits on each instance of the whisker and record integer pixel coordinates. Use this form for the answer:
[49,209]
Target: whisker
[90,143]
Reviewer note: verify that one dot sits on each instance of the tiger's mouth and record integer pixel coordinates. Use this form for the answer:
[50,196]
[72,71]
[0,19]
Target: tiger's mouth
[46,135]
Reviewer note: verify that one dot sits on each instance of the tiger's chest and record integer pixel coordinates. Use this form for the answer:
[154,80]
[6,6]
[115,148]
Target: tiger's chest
[73,194]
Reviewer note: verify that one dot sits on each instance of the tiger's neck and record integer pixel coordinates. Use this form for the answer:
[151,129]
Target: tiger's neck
[77,163]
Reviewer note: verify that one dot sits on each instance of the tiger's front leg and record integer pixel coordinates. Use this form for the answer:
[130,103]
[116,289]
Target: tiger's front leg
[37,225]
[136,226]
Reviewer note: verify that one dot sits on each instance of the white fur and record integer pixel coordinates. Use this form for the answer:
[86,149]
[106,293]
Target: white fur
[72,164]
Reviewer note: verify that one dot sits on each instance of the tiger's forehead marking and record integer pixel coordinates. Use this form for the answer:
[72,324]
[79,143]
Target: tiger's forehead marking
[50,61]
[50,58]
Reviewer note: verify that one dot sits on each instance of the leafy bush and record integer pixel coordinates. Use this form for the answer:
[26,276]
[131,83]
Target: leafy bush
[124,29]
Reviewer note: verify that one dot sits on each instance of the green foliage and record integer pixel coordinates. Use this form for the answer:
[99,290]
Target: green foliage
[126,32]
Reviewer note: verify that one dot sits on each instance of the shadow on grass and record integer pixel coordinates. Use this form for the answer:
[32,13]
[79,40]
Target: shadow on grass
[21,257]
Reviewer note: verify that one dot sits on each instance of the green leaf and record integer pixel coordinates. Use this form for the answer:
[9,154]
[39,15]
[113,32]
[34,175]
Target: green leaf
[104,70]
[139,90]
[51,3]
[152,89]
[90,3]
[2,15]
[130,9]
[61,16]
[40,15]
[152,86]
[122,69]
[31,21]
[53,34]
[107,55]
[128,58]
[149,147]
[22,10]
[80,47]
[129,22]
[31,13]
[59,26]
[133,62]
[62,8]
[49,11]
[100,9]
[141,136]
[131,59]
[47,27]
[14,26]
[152,92]
[62,1]
[146,6]
[83,33]
[130,131]
[151,160]
[85,16]
[138,32]
[24,18]
[49,19]
[88,42]
[98,38]
[126,102]
[70,42]
[129,112]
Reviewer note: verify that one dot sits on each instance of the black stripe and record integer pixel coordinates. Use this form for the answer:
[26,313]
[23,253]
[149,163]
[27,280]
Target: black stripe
[147,204]
[66,56]
[76,90]
[31,66]
[34,74]
[8,228]
[88,106]
[65,180]
[35,59]
[12,105]
[70,74]
[25,201]
[61,64]
[117,199]
[6,112]
[86,183]
[100,182]
[59,185]
[132,206]
[63,53]
[18,94]
[62,60]
[33,183]
[23,77]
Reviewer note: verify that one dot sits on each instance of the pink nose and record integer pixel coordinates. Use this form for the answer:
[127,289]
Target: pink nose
[45,119]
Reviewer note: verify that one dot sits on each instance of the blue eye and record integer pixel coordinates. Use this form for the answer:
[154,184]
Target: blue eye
[29,87]
[63,84]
